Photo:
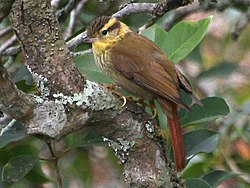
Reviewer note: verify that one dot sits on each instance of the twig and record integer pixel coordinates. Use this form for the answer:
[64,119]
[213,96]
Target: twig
[62,13]
[81,53]
[179,14]
[135,8]
[5,31]
[71,25]
[55,3]
[149,8]
[206,6]
[162,8]
[73,14]
[13,102]
[12,51]
[127,10]
[7,44]
[55,162]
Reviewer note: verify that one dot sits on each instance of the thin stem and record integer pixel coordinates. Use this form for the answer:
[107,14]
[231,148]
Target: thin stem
[55,159]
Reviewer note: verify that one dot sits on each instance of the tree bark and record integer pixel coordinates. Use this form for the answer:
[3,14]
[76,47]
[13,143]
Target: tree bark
[74,103]
[46,53]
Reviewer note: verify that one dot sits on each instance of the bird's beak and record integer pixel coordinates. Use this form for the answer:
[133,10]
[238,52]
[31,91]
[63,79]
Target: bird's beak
[89,39]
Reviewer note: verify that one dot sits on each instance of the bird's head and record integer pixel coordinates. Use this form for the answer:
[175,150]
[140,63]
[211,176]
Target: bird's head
[105,31]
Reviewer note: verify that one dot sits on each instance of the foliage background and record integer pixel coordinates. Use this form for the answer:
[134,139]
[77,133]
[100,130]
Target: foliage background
[218,66]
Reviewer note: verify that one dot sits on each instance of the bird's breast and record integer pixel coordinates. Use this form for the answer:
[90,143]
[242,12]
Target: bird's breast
[104,62]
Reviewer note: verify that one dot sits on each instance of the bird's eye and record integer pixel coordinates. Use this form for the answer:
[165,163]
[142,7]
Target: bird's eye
[104,32]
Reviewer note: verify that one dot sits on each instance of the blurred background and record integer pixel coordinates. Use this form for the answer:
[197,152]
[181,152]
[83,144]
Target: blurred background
[218,66]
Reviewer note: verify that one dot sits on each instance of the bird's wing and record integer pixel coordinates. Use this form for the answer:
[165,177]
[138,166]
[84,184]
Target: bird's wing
[141,65]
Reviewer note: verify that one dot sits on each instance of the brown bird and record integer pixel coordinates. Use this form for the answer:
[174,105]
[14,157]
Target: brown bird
[140,67]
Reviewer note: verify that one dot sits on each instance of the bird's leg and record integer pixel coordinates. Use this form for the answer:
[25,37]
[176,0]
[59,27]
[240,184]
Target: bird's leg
[114,89]
[141,102]
[153,109]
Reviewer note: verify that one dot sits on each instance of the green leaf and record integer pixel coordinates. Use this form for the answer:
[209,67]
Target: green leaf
[87,66]
[202,140]
[150,32]
[81,167]
[244,164]
[184,37]
[196,183]
[24,80]
[15,133]
[37,176]
[180,40]
[88,137]
[18,167]
[23,74]
[213,108]
[223,69]
[195,169]
[5,7]
[195,55]
[26,88]
[215,177]
[75,34]
[3,184]
[162,118]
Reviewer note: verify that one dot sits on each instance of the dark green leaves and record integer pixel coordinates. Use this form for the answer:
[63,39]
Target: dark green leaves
[87,66]
[197,183]
[213,108]
[24,80]
[202,140]
[17,168]
[223,69]
[181,39]
[177,44]
[5,7]
[209,180]
[199,141]
[23,74]
[214,178]
[15,133]
[87,138]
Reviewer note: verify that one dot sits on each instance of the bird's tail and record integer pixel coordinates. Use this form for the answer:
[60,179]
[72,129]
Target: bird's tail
[175,132]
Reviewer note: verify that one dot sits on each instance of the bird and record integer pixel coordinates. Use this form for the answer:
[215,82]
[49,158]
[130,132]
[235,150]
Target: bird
[140,67]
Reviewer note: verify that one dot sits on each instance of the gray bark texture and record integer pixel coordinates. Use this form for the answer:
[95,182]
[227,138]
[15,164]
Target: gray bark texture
[68,102]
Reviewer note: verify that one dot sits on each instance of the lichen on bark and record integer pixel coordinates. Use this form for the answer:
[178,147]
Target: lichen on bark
[46,53]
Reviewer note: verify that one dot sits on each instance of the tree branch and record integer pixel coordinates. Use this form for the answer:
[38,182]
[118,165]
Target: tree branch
[12,101]
[45,50]
[150,7]
[75,104]
[7,44]
[205,6]
[5,31]
[157,9]
[135,8]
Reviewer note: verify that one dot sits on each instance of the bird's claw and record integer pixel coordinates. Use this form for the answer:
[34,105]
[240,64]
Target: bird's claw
[139,101]
[114,90]
[151,106]
[124,101]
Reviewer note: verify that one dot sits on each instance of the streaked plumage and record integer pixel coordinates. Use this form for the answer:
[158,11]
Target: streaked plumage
[139,66]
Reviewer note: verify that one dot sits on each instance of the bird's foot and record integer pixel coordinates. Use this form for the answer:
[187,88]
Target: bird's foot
[141,102]
[114,90]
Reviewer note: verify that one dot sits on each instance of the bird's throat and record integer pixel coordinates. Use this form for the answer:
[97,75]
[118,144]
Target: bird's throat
[100,46]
